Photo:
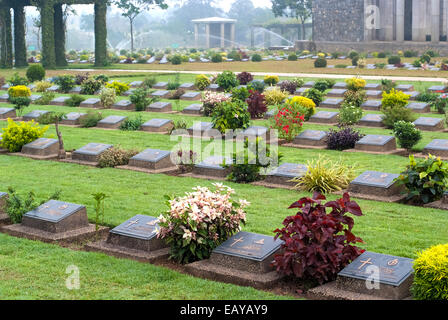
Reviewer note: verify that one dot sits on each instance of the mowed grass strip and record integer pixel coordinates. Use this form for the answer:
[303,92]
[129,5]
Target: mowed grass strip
[386,228]
[33,270]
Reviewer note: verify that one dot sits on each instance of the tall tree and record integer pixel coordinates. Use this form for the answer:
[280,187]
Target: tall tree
[299,9]
[132,8]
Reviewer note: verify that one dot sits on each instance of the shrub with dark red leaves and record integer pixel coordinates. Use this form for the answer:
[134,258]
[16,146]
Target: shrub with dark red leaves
[256,104]
[318,245]
[289,86]
[343,139]
[245,78]
[80,78]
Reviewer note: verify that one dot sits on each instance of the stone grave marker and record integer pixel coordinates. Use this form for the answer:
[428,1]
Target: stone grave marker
[340,85]
[200,129]
[283,174]
[412,94]
[162,94]
[152,160]
[255,132]
[375,94]
[300,91]
[393,274]
[336,92]
[135,239]
[212,167]
[6,86]
[136,84]
[331,103]
[438,89]
[213,87]
[376,143]
[4,98]
[309,84]
[419,107]
[4,219]
[42,148]
[59,101]
[75,90]
[91,103]
[372,120]
[158,125]
[374,105]
[270,114]
[376,184]
[128,92]
[111,122]
[55,221]
[160,85]
[243,259]
[160,107]
[437,147]
[34,115]
[91,152]
[6,113]
[373,86]
[191,96]
[404,87]
[194,109]
[187,86]
[429,124]
[326,117]
[124,105]
[54,88]
[312,138]
[73,118]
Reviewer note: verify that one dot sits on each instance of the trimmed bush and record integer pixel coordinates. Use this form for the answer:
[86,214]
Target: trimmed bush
[74,100]
[65,83]
[91,86]
[35,73]
[217,58]
[257,58]
[407,134]
[343,139]
[16,135]
[292,57]
[202,82]
[115,156]
[91,119]
[245,77]
[320,63]
[230,116]
[107,97]
[394,60]
[227,80]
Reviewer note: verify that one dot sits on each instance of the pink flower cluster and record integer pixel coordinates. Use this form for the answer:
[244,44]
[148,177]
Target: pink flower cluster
[213,98]
[203,215]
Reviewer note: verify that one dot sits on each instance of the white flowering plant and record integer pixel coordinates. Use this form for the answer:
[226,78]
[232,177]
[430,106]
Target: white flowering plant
[200,221]
[211,100]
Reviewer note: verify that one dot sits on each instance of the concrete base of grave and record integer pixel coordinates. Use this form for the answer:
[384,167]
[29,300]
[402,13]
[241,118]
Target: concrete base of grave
[439,127]
[84,158]
[276,182]
[69,159]
[148,170]
[192,112]
[204,176]
[164,129]
[10,114]
[35,157]
[374,197]
[91,105]
[370,124]
[438,153]
[333,121]
[51,151]
[3,151]
[305,146]
[127,253]
[4,219]
[79,235]
[130,107]
[396,152]
[206,269]
[113,126]
[442,205]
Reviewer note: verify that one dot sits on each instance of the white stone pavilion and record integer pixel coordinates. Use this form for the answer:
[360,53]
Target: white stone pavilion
[218,32]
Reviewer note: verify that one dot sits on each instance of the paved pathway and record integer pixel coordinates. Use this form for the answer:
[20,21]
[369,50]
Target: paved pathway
[299,75]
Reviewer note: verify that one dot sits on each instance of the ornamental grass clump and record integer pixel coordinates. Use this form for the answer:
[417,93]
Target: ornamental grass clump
[431,274]
[326,176]
[318,245]
[197,223]
[425,180]
[275,96]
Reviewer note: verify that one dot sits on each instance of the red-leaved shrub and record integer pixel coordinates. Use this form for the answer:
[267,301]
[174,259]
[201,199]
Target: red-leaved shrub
[318,245]
[245,78]
[256,104]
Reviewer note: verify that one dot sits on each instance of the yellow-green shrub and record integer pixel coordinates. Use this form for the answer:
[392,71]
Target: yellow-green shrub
[16,135]
[431,274]
[42,86]
[394,99]
[119,87]
[308,105]
[202,82]
[271,80]
[275,96]
[355,84]
[19,91]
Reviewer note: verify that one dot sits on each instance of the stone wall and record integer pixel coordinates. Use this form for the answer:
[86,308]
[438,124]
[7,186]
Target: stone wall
[341,20]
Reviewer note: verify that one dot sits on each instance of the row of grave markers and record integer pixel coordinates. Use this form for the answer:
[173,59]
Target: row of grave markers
[244,259]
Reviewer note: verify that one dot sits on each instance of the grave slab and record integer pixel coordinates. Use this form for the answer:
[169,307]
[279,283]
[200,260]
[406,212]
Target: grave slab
[136,84]
[158,125]
[90,153]
[191,96]
[91,103]
[437,147]
[309,84]
[124,105]
[73,118]
[372,120]
[194,109]
[55,221]
[4,218]
[111,122]
[244,259]
[282,175]
[404,87]
[202,129]
[212,167]
[134,239]
[395,277]
[376,143]
[312,138]
[152,161]
[340,85]
[300,91]
[213,87]
[160,107]
[325,117]
[42,148]
[373,86]
[336,93]
[6,113]
[187,86]
[161,94]
[4,98]
[54,88]
[374,105]
[128,93]
[160,85]
[429,124]
[331,103]
[34,115]
[419,107]
[75,90]
[377,186]
[438,89]
[412,94]
[255,132]
[374,94]
[59,101]
[35,97]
